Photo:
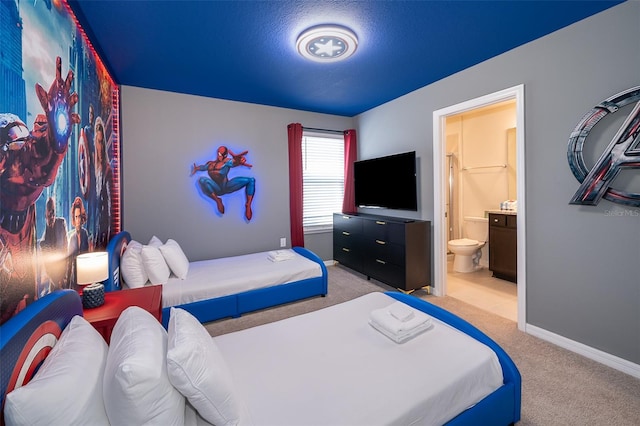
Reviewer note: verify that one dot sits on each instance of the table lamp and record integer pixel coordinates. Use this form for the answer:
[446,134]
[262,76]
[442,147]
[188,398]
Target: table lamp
[92,268]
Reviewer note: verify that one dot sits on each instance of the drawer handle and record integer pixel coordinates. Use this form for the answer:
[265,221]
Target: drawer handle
[380,222]
[495,220]
[381,261]
[345,249]
[345,233]
[381,242]
[346,217]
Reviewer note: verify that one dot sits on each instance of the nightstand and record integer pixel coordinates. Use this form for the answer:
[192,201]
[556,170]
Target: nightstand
[103,318]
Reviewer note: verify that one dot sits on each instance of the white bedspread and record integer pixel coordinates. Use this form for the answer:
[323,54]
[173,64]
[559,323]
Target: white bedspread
[332,368]
[230,275]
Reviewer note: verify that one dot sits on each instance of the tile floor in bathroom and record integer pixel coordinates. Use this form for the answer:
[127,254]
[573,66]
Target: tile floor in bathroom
[480,289]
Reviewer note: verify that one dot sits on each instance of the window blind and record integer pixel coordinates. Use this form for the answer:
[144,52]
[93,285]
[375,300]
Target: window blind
[323,180]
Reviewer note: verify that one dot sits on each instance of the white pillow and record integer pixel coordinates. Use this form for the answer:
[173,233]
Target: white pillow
[154,242]
[137,389]
[132,266]
[154,265]
[198,370]
[175,258]
[67,389]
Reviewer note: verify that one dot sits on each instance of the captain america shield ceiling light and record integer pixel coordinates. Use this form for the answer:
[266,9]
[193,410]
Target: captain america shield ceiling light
[327,43]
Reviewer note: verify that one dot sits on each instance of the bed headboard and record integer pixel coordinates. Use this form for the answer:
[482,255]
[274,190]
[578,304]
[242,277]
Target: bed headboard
[116,247]
[27,338]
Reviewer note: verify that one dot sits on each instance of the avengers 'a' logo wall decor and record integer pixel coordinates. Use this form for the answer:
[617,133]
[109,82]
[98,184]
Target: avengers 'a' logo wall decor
[622,152]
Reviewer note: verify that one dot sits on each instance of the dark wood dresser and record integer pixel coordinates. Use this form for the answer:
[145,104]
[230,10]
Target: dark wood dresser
[395,251]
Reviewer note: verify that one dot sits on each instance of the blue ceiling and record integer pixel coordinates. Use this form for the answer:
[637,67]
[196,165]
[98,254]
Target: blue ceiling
[245,50]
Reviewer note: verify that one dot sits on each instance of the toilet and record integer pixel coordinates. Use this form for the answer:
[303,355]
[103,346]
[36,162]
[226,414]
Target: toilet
[467,251]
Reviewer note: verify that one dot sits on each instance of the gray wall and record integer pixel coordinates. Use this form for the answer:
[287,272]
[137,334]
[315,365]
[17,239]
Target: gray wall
[320,243]
[582,266]
[583,279]
[165,133]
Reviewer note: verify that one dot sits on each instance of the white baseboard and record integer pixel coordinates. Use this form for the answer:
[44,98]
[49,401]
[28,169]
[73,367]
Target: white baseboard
[597,355]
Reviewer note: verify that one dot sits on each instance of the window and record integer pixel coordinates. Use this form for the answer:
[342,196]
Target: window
[322,180]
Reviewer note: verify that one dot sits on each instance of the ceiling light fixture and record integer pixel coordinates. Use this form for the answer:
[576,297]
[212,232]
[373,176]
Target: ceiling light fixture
[327,43]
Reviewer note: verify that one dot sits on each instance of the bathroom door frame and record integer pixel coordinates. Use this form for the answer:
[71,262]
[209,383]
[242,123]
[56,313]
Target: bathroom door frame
[439,194]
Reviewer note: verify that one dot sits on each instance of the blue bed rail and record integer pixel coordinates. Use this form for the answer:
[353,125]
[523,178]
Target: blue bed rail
[503,406]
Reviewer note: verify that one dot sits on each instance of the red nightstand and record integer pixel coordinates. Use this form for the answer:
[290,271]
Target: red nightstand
[104,317]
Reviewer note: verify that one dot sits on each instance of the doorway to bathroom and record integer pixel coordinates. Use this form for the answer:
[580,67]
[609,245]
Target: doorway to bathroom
[472,178]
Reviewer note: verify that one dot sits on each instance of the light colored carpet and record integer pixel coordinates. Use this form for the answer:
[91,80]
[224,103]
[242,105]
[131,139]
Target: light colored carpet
[558,386]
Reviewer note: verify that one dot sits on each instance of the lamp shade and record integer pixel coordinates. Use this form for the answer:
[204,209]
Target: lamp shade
[92,267]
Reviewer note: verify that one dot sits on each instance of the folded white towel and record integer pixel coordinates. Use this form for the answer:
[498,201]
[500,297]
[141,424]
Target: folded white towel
[280,255]
[401,311]
[402,337]
[408,325]
[385,319]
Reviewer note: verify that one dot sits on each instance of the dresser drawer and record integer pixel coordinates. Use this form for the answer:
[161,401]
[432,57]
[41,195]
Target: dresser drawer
[387,252]
[345,239]
[383,230]
[388,273]
[346,256]
[347,247]
[350,224]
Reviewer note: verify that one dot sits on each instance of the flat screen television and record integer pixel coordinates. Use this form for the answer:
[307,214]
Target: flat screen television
[387,182]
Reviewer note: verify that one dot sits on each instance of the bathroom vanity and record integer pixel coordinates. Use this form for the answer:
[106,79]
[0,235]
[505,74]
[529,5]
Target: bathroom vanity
[503,244]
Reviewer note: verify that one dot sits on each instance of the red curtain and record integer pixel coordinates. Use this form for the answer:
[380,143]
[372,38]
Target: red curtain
[294,131]
[350,156]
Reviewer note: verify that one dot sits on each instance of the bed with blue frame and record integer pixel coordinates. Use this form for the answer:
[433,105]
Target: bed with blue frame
[231,305]
[21,351]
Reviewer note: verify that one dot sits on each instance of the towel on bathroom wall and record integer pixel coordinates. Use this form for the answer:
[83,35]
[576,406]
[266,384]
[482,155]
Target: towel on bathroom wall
[399,322]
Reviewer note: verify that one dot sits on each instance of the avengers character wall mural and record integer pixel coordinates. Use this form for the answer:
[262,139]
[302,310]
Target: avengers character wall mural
[217,182]
[58,152]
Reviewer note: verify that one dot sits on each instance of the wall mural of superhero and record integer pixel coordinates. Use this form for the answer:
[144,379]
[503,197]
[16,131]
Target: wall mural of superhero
[57,184]
[217,182]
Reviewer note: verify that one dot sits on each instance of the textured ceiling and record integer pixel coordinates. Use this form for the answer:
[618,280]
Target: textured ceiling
[245,50]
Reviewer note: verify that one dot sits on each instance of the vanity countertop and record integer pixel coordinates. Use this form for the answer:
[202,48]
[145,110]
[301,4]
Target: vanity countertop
[509,212]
